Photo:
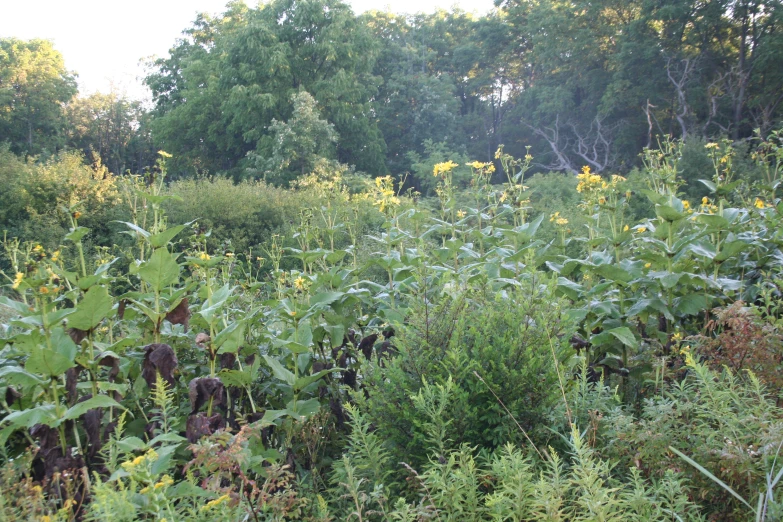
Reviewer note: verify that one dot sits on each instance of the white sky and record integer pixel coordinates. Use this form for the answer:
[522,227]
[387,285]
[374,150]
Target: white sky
[103,40]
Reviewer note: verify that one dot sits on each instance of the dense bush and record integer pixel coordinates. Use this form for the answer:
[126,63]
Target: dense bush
[491,343]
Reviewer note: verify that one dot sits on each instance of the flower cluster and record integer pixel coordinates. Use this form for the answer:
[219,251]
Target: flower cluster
[441,169]
[588,181]
[385,197]
[557,219]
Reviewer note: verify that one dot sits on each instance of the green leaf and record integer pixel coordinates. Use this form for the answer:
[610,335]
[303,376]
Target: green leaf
[325,298]
[279,371]
[625,336]
[304,409]
[44,414]
[53,362]
[19,377]
[161,270]
[135,228]
[710,185]
[304,334]
[302,382]
[668,213]
[729,250]
[99,401]
[162,239]
[92,309]
[231,338]
[76,234]
[18,306]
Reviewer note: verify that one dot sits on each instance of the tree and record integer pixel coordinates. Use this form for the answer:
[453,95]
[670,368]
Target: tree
[34,86]
[113,127]
[294,148]
[224,84]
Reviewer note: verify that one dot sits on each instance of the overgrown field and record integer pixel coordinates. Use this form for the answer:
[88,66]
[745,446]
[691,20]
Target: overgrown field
[546,348]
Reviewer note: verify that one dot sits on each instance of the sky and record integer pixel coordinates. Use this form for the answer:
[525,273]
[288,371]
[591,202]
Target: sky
[104,40]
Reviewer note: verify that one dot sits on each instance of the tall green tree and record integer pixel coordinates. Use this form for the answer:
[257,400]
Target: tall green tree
[113,127]
[34,86]
[225,82]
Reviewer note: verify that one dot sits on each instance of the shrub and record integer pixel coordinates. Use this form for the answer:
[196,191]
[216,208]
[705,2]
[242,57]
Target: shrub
[503,336]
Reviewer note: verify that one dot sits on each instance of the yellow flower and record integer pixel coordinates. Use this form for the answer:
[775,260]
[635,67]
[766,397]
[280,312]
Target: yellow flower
[460,214]
[647,265]
[759,203]
[292,313]
[705,200]
[56,256]
[216,502]
[17,280]
[204,256]
[77,215]
[711,146]
[554,216]
[625,228]
[503,197]
[299,283]
[229,254]
[528,157]
[561,221]
[602,200]
[686,204]
[443,168]
[43,290]
[164,154]
[641,230]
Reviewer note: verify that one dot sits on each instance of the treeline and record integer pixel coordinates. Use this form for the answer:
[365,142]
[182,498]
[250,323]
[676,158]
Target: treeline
[291,87]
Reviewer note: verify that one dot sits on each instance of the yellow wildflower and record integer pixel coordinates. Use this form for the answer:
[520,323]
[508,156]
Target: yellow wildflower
[216,502]
[43,290]
[204,256]
[56,256]
[554,216]
[686,204]
[625,228]
[759,203]
[292,313]
[17,280]
[561,221]
[443,168]
[528,157]
[647,265]
[229,254]
[503,197]
[299,283]
[711,146]
[164,154]
[460,214]
[641,230]
[705,200]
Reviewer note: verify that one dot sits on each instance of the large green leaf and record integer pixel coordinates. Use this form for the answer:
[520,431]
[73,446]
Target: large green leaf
[279,371]
[53,361]
[16,376]
[99,401]
[92,309]
[161,270]
[44,414]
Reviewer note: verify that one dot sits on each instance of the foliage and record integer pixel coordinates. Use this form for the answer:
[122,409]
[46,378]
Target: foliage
[34,86]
